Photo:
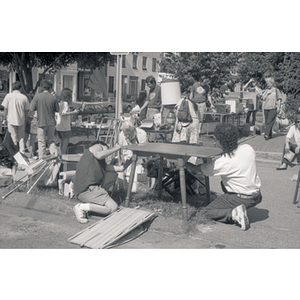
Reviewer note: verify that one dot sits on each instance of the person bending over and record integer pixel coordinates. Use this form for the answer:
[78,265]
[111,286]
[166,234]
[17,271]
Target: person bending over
[240,181]
[92,180]
[291,149]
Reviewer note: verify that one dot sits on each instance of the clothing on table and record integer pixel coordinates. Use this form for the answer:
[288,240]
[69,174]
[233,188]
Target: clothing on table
[186,132]
[239,179]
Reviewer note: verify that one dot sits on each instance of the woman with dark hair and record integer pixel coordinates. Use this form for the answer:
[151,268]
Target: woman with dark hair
[63,120]
[240,181]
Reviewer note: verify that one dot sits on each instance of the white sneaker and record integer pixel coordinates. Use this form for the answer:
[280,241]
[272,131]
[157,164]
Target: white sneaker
[80,214]
[239,215]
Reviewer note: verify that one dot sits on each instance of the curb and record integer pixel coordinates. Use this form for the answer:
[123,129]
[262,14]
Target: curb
[63,206]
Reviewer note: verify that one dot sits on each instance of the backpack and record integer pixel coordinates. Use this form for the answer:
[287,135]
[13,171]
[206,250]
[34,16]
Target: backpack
[183,114]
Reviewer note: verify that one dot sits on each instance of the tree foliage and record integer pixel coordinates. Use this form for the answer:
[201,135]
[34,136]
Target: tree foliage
[218,67]
[24,62]
[190,66]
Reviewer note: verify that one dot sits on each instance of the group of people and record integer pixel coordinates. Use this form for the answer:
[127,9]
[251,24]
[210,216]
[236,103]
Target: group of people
[43,116]
[94,176]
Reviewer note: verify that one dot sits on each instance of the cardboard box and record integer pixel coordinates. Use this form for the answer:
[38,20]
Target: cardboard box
[235,106]
[222,108]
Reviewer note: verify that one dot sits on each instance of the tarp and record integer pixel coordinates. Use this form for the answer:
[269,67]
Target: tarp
[97,82]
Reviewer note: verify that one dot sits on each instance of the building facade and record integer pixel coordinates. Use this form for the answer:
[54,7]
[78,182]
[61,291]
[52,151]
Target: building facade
[136,67]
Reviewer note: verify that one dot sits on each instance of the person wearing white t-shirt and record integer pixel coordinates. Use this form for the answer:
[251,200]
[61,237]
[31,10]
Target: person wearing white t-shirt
[291,148]
[16,107]
[240,181]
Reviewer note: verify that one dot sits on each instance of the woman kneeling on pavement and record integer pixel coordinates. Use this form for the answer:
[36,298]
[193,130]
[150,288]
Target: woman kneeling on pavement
[240,181]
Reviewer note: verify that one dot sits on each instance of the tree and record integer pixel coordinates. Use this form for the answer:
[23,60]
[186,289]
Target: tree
[291,83]
[257,64]
[190,66]
[24,62]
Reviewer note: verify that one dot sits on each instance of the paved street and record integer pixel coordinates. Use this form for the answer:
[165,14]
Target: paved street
[28,221]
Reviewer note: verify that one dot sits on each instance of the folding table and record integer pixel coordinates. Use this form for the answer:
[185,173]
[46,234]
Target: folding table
[171,151]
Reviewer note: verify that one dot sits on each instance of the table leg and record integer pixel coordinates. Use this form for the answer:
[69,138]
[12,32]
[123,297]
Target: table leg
[182,188]
[131,178]
[207,187]
[160,175]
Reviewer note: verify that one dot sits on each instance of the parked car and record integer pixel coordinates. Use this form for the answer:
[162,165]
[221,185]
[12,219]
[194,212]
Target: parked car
[110,105]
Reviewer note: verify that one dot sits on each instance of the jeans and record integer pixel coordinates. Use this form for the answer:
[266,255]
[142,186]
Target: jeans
[270,117]
[45,134]
[221,208]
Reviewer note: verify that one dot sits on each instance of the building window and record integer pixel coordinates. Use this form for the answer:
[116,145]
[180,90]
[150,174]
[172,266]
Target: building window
[143,84]
[133,86]
[123,61]
[153,64]
[134,61]
[112,61]
[111,80]
[144,63]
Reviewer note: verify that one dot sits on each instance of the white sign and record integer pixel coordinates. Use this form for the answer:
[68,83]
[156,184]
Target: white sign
[119,53]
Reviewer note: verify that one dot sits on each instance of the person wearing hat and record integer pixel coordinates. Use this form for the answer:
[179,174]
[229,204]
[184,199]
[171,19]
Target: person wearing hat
[291,151]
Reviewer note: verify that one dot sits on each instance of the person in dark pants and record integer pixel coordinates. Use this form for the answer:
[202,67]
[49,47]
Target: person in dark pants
[270,96]
[240,181]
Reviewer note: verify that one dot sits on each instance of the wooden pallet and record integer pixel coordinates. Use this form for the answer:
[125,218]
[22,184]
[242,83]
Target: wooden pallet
[109,230]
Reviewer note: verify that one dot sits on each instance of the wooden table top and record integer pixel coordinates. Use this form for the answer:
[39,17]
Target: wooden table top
[174,150]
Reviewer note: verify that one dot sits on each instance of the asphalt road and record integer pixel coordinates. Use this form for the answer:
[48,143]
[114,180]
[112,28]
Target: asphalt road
[28,222]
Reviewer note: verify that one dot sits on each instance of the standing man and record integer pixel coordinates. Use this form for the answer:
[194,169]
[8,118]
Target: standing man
[153,102]
[200,95]
[240,181]
[46,106]
[16,106]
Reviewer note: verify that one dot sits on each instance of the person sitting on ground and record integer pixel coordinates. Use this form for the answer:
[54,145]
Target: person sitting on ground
[291,148]
[92,180]
[281,122]
[129,135]
[240,181]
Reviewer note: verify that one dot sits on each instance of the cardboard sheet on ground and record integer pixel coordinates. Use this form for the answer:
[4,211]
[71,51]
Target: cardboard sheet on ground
[120,227]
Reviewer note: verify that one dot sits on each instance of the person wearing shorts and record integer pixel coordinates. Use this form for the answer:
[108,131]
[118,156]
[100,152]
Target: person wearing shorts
[92,180]
[63,120]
